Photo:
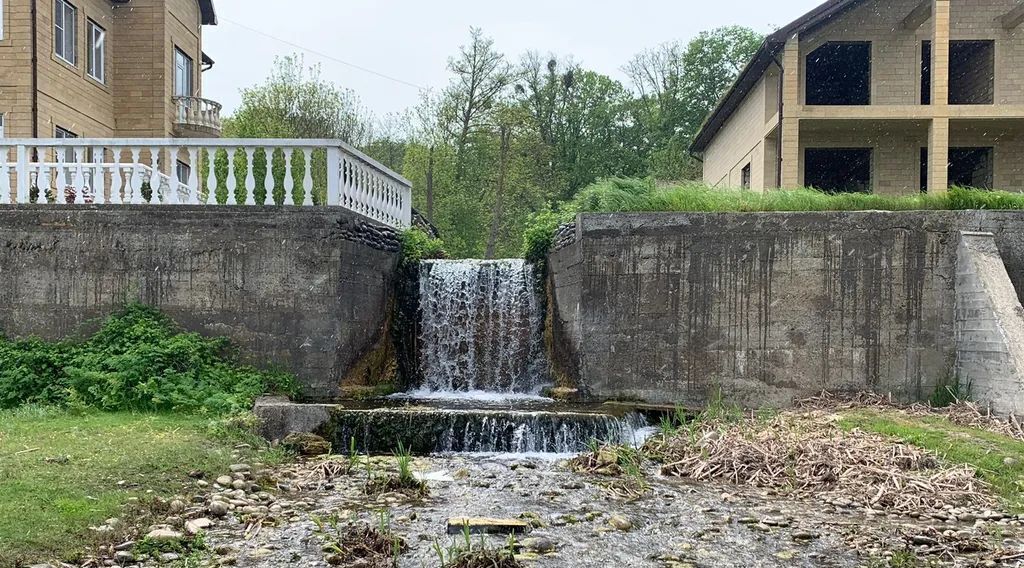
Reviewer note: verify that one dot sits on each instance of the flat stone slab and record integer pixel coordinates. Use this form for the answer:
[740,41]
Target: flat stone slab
[484,525]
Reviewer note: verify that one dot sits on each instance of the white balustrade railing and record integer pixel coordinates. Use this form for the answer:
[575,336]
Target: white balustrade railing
[196,111]
[261,172]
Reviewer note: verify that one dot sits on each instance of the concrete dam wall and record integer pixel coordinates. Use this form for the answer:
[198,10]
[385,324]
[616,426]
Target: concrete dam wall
[305,290]
[769,307]
[660,308]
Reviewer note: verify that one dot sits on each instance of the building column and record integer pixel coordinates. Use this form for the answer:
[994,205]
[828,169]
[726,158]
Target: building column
[790,130]
[938,155]
[938,131]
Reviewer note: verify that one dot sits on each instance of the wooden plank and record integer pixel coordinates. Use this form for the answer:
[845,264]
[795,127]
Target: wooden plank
[918,16]
[1013,18]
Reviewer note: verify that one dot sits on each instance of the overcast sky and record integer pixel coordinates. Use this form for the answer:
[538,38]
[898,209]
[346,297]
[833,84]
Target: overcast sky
[411,40]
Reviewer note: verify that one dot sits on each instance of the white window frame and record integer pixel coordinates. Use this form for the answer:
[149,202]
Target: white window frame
[184,67]
[61,31]
[2,118]
[1,19]
[97,53]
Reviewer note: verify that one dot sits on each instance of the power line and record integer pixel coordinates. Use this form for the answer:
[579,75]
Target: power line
[324,55]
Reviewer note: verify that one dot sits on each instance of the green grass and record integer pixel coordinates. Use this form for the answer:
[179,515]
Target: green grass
[624,195]
[60,472]
[618,195]
[981,449]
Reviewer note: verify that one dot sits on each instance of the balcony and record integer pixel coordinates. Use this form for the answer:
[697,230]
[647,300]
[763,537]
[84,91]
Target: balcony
[196,117]
[202,172]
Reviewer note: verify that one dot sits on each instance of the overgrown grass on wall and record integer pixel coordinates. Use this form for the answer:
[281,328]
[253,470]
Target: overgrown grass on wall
[139,360]
[633,195]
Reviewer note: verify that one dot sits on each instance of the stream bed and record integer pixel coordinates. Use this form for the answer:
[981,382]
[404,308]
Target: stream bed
[578,523]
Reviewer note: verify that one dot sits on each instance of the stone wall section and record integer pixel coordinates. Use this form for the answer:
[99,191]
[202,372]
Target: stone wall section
[989,326]
[300,289]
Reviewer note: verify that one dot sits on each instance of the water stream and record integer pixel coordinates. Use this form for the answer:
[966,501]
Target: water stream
[481,328]
[483,371]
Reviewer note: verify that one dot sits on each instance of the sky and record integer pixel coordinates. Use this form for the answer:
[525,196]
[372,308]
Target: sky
[411,40]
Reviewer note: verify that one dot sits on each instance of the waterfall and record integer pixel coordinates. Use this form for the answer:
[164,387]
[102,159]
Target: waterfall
[425,430]
[480,328]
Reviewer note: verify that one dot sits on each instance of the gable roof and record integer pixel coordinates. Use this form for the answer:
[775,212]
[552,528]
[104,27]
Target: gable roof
[208,13]
[767,54]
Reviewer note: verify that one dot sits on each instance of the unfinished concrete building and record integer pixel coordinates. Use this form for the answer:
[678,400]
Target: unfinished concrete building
[883,96]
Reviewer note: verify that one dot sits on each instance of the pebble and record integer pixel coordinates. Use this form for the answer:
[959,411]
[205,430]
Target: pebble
[163,534]
[224,480]
[538,544]
[620,523]
[239,468]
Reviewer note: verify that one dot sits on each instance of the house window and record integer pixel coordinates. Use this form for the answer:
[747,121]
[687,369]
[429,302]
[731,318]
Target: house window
[183,66]
[839,73]
[926,72]
[69,153]
[838,170]
[971,72]
[2,135]
[65,31]
[183,170]
[1,19]
[971,167]
[97,51]
[745,177]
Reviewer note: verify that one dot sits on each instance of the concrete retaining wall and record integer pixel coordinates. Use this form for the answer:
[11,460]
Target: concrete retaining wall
[989,326]
[301,289]
[766,308]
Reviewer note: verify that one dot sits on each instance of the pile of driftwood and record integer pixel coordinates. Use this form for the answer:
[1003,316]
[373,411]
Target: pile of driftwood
[805,453]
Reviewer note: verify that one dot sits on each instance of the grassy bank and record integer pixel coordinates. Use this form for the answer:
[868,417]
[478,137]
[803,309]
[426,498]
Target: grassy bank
[636,195]
[999,459]
[61,473]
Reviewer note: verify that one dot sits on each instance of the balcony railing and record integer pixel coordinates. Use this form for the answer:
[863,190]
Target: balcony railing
[258,172]
[195,112]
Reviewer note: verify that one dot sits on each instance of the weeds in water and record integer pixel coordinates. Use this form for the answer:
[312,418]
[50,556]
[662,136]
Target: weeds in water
[622,464]
[402,482]
[461,553]
[353,455]
[370,546]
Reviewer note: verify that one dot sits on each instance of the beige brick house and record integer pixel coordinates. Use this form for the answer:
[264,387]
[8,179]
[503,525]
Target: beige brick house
[104,68]
[889,96]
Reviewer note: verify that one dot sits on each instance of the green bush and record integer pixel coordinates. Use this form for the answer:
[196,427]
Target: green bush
[540,233]
[138,360]
[417,245]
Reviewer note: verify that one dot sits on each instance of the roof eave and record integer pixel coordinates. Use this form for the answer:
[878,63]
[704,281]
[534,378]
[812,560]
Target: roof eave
[752,73]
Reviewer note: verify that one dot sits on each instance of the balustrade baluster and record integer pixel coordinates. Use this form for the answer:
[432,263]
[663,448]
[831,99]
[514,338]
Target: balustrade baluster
[268,178]
[116,183]
[307,179]
[250,177]
[289,177]
[99,181]
[5,177]
[174,180]
[193,175]
[42,175]
[136,179]
[232,183]
[211,176]
[78,180]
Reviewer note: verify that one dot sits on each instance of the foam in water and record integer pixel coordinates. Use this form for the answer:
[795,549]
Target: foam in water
[427,430]
[480,327]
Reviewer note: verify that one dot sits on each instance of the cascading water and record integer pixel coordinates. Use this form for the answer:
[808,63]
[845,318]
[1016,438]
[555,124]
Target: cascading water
[483,369]
[480,328]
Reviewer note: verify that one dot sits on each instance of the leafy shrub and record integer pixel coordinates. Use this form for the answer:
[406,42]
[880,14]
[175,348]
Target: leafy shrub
[138,360]
[540,233]
[417,245]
